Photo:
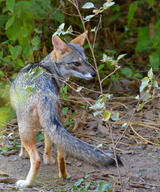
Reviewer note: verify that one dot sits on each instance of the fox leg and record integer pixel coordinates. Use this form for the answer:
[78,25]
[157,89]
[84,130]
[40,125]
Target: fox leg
[28,140]
[61,163]
[47,156]
[23,153]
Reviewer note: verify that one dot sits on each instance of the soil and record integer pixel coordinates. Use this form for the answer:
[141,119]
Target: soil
[139,151]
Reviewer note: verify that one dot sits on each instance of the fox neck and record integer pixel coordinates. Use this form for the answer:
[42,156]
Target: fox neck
[51,67]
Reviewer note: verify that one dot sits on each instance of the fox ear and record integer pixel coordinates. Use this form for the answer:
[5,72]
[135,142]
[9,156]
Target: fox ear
[80,39]
[60,46]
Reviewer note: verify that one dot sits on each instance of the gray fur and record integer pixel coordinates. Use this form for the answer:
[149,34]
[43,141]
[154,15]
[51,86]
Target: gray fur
[40,106]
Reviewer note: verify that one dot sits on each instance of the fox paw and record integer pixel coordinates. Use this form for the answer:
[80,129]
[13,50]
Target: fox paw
[22,184]
[64,175]
[48,160]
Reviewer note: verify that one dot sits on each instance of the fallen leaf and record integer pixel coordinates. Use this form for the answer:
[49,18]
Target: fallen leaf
[2,173]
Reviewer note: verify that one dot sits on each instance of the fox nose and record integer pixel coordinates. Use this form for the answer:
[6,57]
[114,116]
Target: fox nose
[93,74]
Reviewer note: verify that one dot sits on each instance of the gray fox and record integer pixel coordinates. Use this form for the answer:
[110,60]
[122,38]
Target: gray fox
[41,108]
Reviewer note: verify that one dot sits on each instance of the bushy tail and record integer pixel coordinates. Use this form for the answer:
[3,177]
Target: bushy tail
[71,145]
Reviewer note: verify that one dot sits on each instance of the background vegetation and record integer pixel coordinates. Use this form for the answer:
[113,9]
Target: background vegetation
[127,27]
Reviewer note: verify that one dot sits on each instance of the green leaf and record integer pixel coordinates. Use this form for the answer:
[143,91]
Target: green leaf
[3,19]
[1,54]
[115,116]
[107,5]
[2,74]
[79,182]
[143,41]
[97,105]
[10,22]
[87,18]
[144,83]
[69,30]
[151,3]
[155,84]
[106,115]
[132,10]
[36,43]
[59,17]
[4,149]
[94,29]
[20,63]
[13,31]
[140,107]
[15,51]
[121,56]
[150,74]
[40,137]
[87,176]
[27,51]
[124,125]
[127,72]
[88,5]
[65,110]
[102,187]
[100,67]
[5,114]
[61,27]
[154,60]
[38,31]
[24,31]
[65,89]
[10,5]
[137,75]
[79,89]
[97,113]
[142,170]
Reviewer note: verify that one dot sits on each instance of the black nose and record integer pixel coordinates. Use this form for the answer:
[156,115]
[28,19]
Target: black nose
[93,74]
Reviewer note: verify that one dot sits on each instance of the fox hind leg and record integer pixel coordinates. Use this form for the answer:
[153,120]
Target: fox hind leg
[28,140]
[47,156]
[61,164]
[23,153]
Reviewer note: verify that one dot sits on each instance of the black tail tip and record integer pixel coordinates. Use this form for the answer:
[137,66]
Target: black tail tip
[113,161]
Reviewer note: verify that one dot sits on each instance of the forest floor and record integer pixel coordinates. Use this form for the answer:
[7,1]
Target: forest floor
[138,147]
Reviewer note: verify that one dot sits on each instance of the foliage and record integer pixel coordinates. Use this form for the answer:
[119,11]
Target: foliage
[149,89]
[6,111]
[23,22]
[27,25]
[87,185]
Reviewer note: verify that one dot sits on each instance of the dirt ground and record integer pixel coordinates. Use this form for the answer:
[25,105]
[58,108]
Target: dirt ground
[139,150]
[141,172]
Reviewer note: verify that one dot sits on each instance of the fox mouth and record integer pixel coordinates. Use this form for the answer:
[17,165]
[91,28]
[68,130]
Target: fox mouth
[88,76]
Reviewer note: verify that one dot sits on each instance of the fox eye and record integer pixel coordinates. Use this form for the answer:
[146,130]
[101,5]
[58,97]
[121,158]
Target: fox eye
[77,64]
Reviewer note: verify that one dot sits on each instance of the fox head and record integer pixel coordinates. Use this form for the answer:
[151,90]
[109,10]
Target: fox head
[70,58]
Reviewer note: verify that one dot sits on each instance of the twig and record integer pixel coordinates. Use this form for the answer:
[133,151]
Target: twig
[75,3]
[135,123]
[116,69]
[115,156]
[95,36]
[142,138]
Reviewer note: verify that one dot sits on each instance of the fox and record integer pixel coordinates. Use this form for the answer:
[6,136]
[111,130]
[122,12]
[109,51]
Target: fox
[41,108]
